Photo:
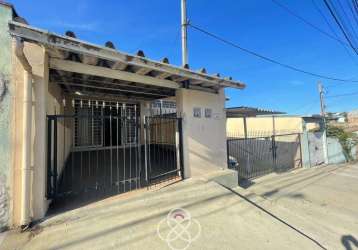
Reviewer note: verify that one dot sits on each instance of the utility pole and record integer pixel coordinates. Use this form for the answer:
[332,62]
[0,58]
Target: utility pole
[323,114]
[321,99]
[184,33]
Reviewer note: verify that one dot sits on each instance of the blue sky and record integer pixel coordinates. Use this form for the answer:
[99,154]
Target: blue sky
[259,25]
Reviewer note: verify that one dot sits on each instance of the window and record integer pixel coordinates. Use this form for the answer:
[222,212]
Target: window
[88,124]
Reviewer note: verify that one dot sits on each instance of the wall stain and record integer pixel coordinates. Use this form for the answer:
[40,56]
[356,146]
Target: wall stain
[4,82]
[3,204]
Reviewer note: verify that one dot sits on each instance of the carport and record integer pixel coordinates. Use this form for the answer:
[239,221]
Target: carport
[97,126]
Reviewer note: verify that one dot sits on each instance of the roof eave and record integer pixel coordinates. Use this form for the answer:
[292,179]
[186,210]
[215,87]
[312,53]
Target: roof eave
[49,39]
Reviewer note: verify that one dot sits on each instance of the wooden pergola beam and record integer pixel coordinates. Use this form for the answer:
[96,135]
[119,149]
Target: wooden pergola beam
[143,71]
[119,66]
[87,86]
[163,75]
[81,68]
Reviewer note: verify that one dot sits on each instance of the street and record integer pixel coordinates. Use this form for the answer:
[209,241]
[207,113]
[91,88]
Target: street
[305,209]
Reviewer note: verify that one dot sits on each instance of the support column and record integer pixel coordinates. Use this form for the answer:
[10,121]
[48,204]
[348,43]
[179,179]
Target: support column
[245,127]
[324,141]
[144,111]
[204,138]
[306,159]
[182,110]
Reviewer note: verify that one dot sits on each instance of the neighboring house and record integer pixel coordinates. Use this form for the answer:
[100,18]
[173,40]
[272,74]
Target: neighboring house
[338,117]
[346,120]
[255,122]
[352,117]
[80,118]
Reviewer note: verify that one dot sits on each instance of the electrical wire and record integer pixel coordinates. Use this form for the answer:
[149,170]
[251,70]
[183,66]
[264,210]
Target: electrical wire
[311,24]
[347,17]
[331,11]
[342,95]
[267,58]
[352,12]
[355,5]
[344,45]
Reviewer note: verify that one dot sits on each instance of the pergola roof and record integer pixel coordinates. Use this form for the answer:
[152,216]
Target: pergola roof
[79,65]
[249,112]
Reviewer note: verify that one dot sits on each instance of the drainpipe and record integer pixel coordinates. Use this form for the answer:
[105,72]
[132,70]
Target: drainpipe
[26,130]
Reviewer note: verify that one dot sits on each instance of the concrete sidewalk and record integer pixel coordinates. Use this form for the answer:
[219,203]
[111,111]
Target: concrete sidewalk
[227,222]
[321,201]
[306,209]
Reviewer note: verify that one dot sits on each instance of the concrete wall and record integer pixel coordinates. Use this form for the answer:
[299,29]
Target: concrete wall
[335,151]
[306,160]
[257,126]
[38,60]
[204,138]
[47,99]
[6,92]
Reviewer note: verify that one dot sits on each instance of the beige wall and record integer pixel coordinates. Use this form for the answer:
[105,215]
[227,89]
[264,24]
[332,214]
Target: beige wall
[312,126]
[36,58]
[204,138]
[46,100]
[261,126]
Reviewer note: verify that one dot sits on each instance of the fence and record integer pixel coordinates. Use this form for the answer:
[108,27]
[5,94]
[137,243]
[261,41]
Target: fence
[254,157]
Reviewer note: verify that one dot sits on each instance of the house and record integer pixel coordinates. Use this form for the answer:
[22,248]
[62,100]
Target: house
[78,118]
[352,121]
[254,122]
[337,117]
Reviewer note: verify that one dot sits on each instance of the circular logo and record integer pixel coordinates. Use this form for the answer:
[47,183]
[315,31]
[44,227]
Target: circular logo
[178,229]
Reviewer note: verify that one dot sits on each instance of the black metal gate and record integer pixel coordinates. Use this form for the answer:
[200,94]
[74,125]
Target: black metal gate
[163,148]
[106,149]
[254,157]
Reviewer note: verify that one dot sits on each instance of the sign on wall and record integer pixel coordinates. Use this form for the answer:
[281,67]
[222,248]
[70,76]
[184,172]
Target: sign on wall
[197,112]
[208,113]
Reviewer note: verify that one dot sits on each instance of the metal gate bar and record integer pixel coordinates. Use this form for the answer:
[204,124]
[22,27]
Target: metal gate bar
[162,146]
[254,157]
[110,160]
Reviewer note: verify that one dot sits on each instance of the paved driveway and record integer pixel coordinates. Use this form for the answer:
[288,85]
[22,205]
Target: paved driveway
[310,209]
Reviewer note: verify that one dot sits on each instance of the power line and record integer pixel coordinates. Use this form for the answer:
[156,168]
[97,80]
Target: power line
[347,17]
[344,45]
[352,12]
[355,5]
[342,95]
[310,24]
[267,58]
[340,25]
